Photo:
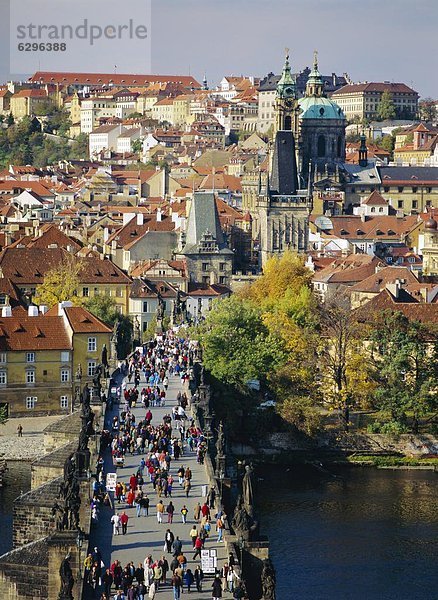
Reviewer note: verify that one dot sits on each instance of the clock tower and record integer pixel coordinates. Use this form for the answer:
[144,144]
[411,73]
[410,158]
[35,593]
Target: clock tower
[286,102]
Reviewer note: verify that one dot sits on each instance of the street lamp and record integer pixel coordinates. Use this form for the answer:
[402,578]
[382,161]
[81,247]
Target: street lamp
[241,542]
[79,541]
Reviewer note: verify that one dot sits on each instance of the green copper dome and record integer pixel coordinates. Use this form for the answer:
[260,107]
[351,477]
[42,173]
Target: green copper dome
[316,107]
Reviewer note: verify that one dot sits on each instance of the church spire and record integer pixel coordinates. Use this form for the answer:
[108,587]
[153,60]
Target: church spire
[315,84]
[286,86]
[286,101]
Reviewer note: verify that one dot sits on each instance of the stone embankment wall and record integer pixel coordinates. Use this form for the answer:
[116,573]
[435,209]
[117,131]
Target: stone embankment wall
[278,444]
[31,570]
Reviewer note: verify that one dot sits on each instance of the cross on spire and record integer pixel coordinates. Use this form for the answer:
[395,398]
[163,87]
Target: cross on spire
[315,59]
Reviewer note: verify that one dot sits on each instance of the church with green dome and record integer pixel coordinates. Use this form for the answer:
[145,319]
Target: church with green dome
[321,141]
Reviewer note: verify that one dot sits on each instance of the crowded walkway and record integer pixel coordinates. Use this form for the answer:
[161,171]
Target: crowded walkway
[162,513]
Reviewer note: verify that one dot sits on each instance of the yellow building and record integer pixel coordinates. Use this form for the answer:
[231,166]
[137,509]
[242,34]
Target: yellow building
[430,249]
[163,110]
[181,110]
[361,100]
[40,353]
[24,102]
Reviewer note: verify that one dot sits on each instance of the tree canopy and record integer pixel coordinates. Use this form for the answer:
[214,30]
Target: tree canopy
[386,109]
[60,283]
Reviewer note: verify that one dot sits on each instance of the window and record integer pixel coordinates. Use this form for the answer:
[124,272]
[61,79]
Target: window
[221,266]
[30,357]
[414,190]
[65,375]
[373,209]
[221,279]
[205,266]
[399,203]
[3,358]
[414,203]
[206,280]
[85,292]
[386,189]
[65,357]
[321,146]
[64,401]
[145,307]
[31,401]
[92,344]
[2,299]
[30,376]
[400,190]
[119,292]
[3,378]
[91,368]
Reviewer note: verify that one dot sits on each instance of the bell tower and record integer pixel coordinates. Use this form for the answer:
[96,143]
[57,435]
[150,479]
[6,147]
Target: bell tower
[286,102]
[315,85]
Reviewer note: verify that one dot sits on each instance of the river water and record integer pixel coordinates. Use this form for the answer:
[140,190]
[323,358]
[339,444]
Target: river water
[16,481]
[361,534]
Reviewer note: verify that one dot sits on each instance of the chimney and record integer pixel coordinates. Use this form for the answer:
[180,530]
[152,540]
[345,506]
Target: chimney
[32,311]
[105,234]
[62,305]
[6,311]
[140,218]
[159,215]
[127,217]
[363,217]
[394,288]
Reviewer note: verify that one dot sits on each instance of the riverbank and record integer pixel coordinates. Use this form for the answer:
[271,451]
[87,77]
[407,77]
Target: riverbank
[28,447]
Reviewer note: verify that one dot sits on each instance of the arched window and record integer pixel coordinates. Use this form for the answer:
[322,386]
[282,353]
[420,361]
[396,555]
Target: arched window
[288,123]
[339,149]
[321,146]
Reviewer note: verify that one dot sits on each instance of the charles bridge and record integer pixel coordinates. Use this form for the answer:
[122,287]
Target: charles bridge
[52,522]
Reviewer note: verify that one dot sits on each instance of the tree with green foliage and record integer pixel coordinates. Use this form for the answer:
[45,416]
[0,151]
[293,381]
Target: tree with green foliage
[427,109]
[237,345]
[137,146]
[386,109]
[405,354]
[386,142]
[105,309]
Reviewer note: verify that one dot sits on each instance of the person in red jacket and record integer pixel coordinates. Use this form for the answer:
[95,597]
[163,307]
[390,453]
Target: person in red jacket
[205,510]
[133,482]
[198,547]
[124,521]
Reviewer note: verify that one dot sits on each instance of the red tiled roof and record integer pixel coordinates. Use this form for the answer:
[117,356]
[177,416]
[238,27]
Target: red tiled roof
[113,78]
[415,311]
[82,321]
[374,87]
[377,281]
[21,332]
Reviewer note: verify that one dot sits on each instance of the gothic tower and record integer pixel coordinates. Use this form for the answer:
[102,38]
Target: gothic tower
[287,110]
[284,208]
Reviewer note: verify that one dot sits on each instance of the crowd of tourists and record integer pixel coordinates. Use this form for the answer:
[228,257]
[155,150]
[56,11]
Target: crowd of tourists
[158,446]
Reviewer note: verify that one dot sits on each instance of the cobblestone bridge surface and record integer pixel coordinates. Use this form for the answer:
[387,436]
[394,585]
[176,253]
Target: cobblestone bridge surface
[145,536]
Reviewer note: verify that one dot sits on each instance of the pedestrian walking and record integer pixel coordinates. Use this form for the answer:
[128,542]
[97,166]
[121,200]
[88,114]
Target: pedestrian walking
[170,509]
[199,576]
[176,586]
[217,588]
[184,512]
[169,538]
[115,520]
[124,522]
[20,430]
[160,511]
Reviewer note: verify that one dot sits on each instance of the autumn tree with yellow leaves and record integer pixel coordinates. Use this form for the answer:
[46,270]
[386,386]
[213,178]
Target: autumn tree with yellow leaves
[60,283]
